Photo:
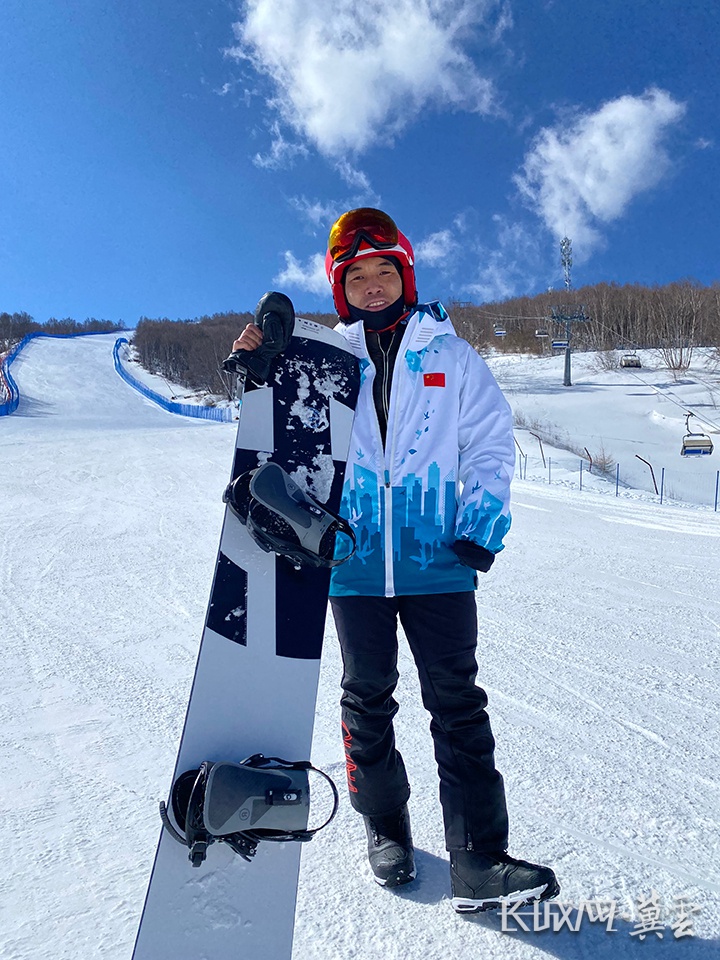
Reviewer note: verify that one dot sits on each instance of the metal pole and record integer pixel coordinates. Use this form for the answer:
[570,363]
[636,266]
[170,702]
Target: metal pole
[662,484]
[542,452]
[717,486]
[566,260]
[567,381]
[617,479]
[652,472]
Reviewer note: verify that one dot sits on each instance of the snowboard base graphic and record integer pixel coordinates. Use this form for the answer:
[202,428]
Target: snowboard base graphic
[257,672]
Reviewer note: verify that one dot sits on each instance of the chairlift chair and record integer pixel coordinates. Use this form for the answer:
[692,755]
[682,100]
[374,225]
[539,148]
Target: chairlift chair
[695,444]
[541,334]
[630,360]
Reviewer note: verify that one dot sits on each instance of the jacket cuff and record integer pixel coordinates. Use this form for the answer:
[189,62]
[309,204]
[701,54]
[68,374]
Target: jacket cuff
[473,555]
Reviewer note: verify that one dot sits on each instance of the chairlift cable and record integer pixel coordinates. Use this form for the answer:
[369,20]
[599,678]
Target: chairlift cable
[678,403]
[669,396]
[505,316]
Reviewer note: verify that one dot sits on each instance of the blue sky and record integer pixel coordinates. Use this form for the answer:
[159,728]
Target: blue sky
[180,158]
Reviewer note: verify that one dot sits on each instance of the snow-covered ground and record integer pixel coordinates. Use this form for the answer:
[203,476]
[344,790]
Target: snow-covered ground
[616,416]
[599,629]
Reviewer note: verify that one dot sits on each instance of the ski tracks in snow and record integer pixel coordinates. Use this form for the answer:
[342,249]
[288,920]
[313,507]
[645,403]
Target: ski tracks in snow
[621,683]
[598,647]
[106,558]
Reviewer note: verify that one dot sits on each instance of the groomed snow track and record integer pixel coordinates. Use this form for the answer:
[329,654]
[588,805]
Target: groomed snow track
[599,630]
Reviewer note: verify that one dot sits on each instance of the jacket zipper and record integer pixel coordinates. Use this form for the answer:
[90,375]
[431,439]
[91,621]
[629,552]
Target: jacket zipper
[386,385]
[390,435]
[387,489]
[389,575]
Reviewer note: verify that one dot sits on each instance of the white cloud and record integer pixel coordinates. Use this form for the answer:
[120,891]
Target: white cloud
[348,75]
[504,22]
[493,282]
[282,152]
[487,261]
[510,266]
[435,250]
[354,178]
[311,276]
[322,214]
[319,214]
[581,175]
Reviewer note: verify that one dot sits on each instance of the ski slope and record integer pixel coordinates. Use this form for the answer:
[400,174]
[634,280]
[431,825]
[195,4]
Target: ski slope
[619,415]
[599,629]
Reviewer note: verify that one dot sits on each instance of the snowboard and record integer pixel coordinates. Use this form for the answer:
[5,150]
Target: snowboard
[257,671]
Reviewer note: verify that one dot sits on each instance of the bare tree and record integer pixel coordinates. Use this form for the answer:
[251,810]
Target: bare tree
[678,307]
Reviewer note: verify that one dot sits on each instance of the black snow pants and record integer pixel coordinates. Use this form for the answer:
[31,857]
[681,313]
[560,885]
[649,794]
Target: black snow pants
[442,633]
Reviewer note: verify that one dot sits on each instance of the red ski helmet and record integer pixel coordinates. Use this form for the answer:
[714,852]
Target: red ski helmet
[367,232]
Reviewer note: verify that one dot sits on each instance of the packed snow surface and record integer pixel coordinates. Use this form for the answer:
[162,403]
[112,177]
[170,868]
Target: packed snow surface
[598,645]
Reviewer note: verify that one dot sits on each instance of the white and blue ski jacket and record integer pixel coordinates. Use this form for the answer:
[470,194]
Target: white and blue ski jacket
[445,471]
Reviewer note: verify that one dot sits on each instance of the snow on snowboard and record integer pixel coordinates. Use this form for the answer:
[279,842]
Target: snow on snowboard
[257,672]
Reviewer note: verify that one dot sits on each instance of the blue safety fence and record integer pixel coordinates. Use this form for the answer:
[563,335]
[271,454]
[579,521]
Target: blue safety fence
[223,414]
[9,388]
[9,392]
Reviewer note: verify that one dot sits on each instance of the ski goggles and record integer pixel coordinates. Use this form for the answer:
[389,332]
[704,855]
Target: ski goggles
[349,230]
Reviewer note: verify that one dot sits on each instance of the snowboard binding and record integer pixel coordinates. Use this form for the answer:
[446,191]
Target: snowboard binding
[241,804]
[275,315]
[282,518]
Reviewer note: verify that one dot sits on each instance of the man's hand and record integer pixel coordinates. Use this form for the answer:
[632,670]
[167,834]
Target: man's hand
[249,339]
[263,340]
[473,555]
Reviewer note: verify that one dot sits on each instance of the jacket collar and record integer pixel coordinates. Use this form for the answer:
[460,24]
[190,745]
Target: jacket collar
[427,321]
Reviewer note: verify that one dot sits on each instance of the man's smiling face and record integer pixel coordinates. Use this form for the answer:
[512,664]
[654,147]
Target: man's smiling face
[372,283]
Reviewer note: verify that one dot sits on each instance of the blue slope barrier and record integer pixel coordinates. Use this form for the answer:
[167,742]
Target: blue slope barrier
[223,414]
[8,387]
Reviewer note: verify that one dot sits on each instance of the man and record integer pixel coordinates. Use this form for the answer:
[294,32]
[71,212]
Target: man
[427,491]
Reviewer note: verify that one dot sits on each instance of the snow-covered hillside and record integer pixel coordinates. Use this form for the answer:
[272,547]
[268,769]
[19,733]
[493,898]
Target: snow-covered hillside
[617,416]
[599,630]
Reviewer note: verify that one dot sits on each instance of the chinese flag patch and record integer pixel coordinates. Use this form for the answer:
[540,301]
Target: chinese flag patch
[434,379]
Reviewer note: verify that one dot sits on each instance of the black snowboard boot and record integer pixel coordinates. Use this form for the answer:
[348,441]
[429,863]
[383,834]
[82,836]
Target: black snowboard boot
[390,848]
[481,881]
[275,315]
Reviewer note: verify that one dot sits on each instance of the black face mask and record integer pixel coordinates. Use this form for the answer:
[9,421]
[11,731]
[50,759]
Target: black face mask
[378,319]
